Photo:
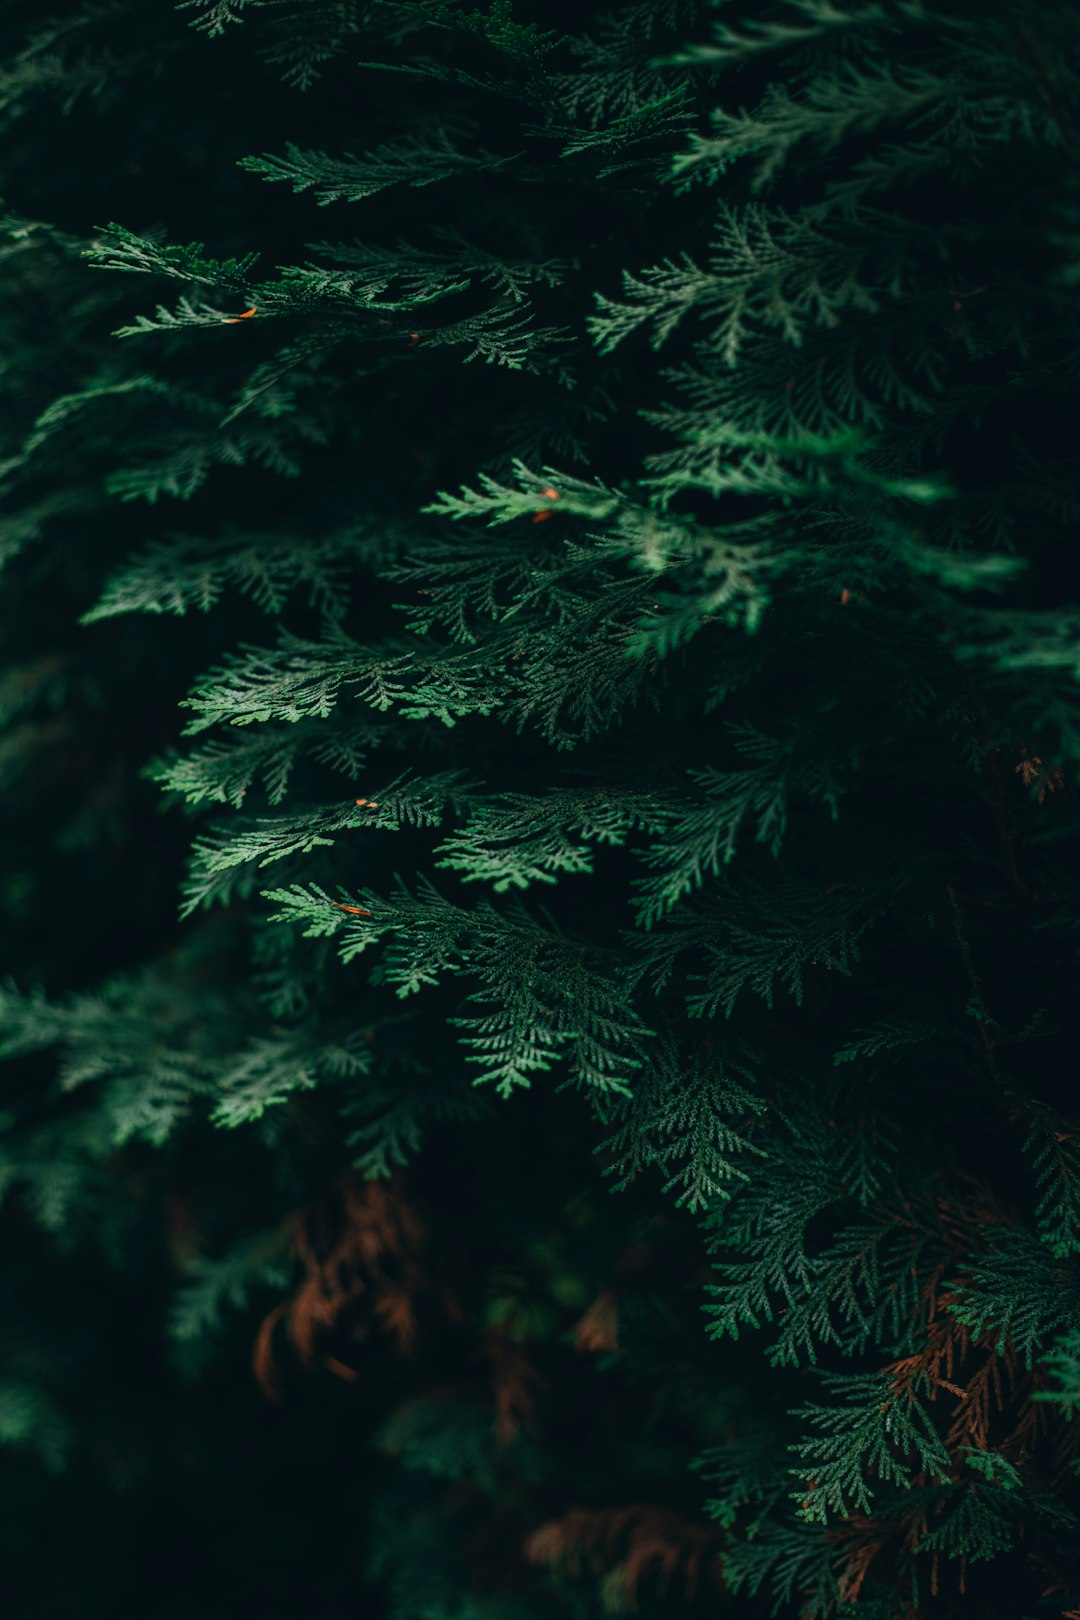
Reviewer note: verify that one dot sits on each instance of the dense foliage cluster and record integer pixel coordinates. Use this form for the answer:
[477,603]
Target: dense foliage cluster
[540,744]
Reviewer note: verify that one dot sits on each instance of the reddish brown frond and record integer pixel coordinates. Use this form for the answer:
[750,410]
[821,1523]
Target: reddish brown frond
[362,1245]
[861,1539]
[514,1382]
[263,1362]
[598,1329]
[627,1545]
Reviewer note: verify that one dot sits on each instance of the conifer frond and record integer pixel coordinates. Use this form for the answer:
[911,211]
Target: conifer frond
[214,1286]
[794,1564]
[271,1070]
[1020,1295]
[214,16]
[204,889]
[117,248]
[420,159]
[982,1523]
[299,678]
[181,471]
[617,70]
[703,827]
[541,998]
[833,108]
[67,57]
[1039,642]
[898,1034]
[420,802]
[50,1172]
[806,468]
[768,272]
[141,1087]
[798,930]
[874,1432]
[613,146]
[691,1118]
[190,572]
[397,1107]
[185,316]
[862,1286]
[368,1261]
[67,410]
[628,1546]
[501,503]
[724,573]
[1053,1146]
[540,1004]
[799,24]
[302,38]
[224,770]
[726,607]
[456,263]
[1063,1364]
[24,528]
[515,840]
[521,74]
[507,338]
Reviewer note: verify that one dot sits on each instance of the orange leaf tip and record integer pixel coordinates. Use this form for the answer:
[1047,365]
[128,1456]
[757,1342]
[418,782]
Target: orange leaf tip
[340,1370]
[357,911]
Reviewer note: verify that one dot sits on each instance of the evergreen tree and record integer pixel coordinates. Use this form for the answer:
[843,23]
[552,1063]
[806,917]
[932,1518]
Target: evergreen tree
[540,822]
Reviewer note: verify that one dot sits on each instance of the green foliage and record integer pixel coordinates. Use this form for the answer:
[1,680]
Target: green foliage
[187,572]
[1020,1294]
[146,1087]
[864,1429]
[1064,1363]
[28,1418]
[693,1121]
[226,1283]
[514,841]
[117,248]
[542,996]
[623,605]
[415,160]
[452,1440]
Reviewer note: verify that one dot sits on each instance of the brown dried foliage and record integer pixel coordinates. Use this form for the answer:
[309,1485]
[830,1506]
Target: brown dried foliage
[984,1381]
[1037,775]
[598,1329]
[514,1381]
[364,1246]
[628,1545]
[862,1539]
[987,1395]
